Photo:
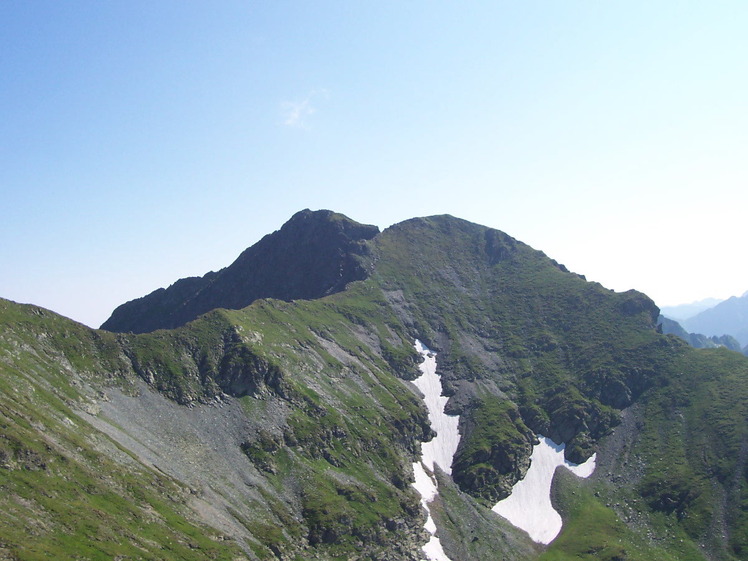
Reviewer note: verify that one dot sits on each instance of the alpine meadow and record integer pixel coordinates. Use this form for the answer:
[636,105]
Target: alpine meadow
[268,410]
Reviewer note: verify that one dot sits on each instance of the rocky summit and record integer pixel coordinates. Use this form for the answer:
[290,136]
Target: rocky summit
[314,254]
[267,410]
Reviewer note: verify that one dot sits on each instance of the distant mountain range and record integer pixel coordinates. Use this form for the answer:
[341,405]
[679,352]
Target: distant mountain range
[683,312]
[729,317]
[706,322]
[699,340]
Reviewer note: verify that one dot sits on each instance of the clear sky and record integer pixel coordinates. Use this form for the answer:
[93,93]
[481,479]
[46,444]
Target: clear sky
[142,141]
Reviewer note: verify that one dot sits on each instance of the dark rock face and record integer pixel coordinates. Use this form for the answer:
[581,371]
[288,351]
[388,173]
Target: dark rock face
[499,246]
[636,303]
[314,254]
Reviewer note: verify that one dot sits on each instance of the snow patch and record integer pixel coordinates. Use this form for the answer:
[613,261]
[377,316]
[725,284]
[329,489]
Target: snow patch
[441,449]
[529,505]
[426,485]
[438,451]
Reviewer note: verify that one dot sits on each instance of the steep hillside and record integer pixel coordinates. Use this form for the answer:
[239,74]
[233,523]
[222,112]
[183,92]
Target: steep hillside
[288,429]
[312,255]
[511,322]
[68,491]
[275,426]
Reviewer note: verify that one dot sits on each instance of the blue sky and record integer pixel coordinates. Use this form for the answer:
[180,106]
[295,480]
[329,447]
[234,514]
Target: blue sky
[141,142]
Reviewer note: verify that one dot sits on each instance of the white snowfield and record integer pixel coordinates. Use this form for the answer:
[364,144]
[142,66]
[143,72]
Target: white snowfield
[529,505]
[425,484]
[439,451]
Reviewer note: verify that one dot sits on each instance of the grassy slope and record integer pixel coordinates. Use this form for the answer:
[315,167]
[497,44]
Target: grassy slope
[566,351]
[67,492]
[594,530]
[342,454]
[695,445]
[353,430]
[572,355]
[524,347]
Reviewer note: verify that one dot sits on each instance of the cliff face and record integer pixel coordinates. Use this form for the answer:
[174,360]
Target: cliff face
[288,429]
[314,254]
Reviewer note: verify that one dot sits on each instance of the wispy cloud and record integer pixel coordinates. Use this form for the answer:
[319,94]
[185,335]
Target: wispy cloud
[295,114]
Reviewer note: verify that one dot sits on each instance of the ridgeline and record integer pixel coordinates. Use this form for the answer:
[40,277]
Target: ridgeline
[265,411]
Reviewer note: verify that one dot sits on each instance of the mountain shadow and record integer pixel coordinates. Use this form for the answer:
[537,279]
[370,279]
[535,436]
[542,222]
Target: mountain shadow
[314,254]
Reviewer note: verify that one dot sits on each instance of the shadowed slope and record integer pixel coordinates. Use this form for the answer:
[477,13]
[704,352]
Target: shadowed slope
[312,255]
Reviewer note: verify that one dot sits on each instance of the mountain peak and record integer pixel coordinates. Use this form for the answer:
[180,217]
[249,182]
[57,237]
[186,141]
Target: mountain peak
[314,254]
[298,428]
[306,222]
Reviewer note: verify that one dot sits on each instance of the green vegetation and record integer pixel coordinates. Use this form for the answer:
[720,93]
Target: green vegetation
[494,455]
[516,319]
[593,530]
[327,427]
[694,448]
[571,354]
[353,429]
[63,495]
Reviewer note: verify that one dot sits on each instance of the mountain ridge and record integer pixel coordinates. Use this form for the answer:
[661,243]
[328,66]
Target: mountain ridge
[697,340]
[729,317]
[683,312]
[277,266]
[320,424]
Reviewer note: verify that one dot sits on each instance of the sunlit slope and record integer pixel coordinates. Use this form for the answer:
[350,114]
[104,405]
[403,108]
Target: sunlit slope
[320,433]
[287,430]
[527,347]
[518,333]
[674,471]
[68,492]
